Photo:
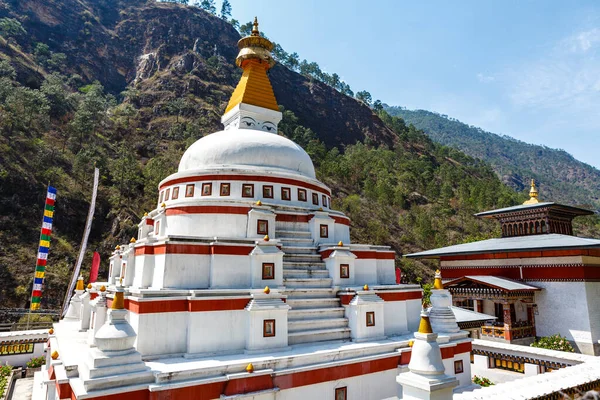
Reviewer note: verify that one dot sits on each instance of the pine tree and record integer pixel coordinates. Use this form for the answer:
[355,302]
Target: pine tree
[209,5]
[226,10]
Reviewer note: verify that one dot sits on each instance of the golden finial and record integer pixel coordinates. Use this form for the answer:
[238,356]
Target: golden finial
[250,368]
[51,331]
[118,301]
[437,282]
[533,194]
[266,238]
[54,355]
[259,203]
[79,285]
[424,325]
[320,208]
[366,287]
[255,31]
[117,247]
[267,290]
[103,288]
[89,286]
[163,205]
[340,243]
[411,343]
[132,240]
[145,214]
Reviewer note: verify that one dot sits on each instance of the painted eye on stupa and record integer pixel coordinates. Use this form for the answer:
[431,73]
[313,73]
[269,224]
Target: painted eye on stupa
[267,126]
[248,122]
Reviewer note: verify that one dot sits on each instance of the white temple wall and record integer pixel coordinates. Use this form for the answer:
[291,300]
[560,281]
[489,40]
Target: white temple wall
[395,316]
[520,311]
[464,378]
[160,333]
[216,331]
[207,225]
[342,233]
[290,226]
[144,271]
[563,308]
[186,271]
[365,271]
[386,272]
[413,312]
[376,386]
[20,360]
[592,291]
[158,275]
[230,271]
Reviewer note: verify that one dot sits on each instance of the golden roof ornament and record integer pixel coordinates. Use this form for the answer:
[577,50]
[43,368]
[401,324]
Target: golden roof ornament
[145,214]
[118,301]
[80,285]
[103,288]
[259,203]
[54,355]
[266,238]
[132,240]
[425,325]
[340,243]
[89,286]
[366,287]
[250,368]
[267,290]
[437,282]
[51,331]
[533,194]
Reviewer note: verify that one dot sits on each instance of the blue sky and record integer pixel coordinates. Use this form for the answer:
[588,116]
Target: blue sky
[528,69]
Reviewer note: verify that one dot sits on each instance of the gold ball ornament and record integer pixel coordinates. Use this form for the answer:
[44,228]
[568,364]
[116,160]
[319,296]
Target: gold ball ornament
[366,287]
[411,343]
[340,243]
[51,331]
[89,286]
[259,203]
[266,238]
[132,240]
[54,355]
[103,288]
[163,205]
[250,368]
[267,290]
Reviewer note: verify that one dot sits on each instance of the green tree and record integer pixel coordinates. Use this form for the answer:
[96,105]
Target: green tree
[292,61]
[7,70]
[209,5]
[364,96]
[23,110]
[11,28]
[235,23]
[91,112]
[226,10]
[246,29]
[59,98]
[377,106]
[41,53]
[126,175]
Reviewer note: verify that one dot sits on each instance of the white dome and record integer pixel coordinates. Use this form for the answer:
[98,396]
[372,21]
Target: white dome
[247,147]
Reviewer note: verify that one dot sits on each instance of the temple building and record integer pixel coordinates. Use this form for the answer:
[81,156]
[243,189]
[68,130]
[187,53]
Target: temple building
[538,279]
[243,283]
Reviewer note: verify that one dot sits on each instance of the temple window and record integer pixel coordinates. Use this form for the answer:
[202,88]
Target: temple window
[544,227]
[156,228]
[315,199]
[267,191]
[458,367]
[189,190]
[268,328]
[344,271]
[262,227]
[162,196]
[324,202]
[324,231]
[286,193]
[268,271]
[370,318]
[301,194]
[206,189]
[247,190]
[467,304]
[341,393]
[225,189]
[167,193]
[175,193]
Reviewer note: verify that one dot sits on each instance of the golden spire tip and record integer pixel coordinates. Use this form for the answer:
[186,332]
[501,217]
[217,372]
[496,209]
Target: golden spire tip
[255,31]
[437,282]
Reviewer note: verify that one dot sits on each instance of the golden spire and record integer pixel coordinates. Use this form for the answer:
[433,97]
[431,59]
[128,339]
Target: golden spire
[533,194]
[255,60]
[118,301]
[425,325]
[437,282]
[79,285]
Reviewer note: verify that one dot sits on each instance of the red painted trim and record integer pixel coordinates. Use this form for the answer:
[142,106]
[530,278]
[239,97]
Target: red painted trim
[246,178]
[64,390]
[293,218]
[137,395]
[217,305]
[375,255]
[321,375]
[93,295]
[405,357]
[533,273]
[450,352]
[400,296]
[149,221]
[341,220]
[182,305]
[51,374]
[248,385]
[345,299]
[524,254]
[207,210]
[209,391]
[198,249]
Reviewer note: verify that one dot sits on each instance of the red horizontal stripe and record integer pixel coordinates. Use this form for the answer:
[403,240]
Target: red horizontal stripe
[341,220]
[524,254]
[529,272]
[246,178]
[208,210]
[183,305]
[399,296]
[198,249]
[293,218]
[149,221]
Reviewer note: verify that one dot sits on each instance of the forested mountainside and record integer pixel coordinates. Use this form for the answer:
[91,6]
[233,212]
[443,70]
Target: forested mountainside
[561,177]
[129,85]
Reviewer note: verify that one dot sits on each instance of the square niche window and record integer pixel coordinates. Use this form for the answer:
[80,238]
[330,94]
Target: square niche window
[344,271]
[286,193]
[262,227]
[341,393]
[315,199]
[370,318]
[206,189]
[156,228]
[175,193]
[167,193]
[162,196]
[268,328]
[189,190]
[267,192]
[225,189]
[324,231]
[324,198]
[247,190]
[268,271]
[458,367]
[301,194]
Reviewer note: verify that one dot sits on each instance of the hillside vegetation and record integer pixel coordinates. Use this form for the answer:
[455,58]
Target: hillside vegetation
[130,85]
[560,176]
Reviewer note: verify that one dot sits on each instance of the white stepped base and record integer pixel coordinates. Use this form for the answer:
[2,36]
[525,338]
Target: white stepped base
[303,265]
[292,234]
[298,304]
[307,282]
[297,250]
[315,313]
[306,242]
[310,258]
[318,335]
[119,379]
[305,273]
[316,324]
[309,293]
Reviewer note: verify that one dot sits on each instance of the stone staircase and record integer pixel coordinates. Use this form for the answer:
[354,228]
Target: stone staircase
[316,313]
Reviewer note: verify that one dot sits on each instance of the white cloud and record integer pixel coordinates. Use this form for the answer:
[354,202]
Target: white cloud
[485,78]
[582,42]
